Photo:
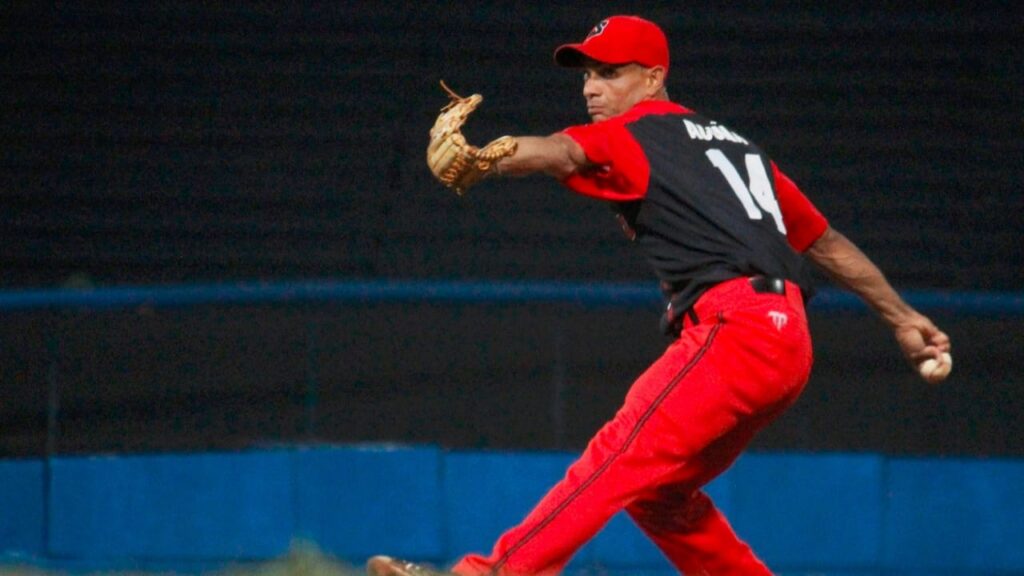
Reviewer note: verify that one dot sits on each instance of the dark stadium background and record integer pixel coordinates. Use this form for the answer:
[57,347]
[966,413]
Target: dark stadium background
[199,143]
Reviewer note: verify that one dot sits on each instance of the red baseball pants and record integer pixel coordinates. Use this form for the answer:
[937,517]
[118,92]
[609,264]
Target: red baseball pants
[684,421]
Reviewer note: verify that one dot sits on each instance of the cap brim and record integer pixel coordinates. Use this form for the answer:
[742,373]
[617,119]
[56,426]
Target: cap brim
[569,56]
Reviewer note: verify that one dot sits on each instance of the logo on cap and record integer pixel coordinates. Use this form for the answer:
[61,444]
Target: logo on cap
[597,30]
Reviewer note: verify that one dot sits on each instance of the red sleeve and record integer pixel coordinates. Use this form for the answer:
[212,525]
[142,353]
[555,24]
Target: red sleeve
[620,171]
[804,223]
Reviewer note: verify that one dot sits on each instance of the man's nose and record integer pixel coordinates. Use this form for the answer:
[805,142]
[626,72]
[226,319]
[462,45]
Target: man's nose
[590,88]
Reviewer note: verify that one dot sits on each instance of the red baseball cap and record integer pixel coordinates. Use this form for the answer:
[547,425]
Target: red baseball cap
[618,40]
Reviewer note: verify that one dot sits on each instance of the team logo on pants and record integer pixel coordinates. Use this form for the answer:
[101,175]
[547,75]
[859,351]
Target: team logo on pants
[779,319]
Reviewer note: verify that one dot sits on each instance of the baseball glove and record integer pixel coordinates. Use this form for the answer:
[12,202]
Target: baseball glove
[454,162]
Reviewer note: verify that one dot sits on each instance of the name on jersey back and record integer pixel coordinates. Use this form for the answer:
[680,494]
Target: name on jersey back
[712,131]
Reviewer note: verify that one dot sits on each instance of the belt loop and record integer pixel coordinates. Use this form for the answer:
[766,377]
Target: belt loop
[673,321]
[691,315]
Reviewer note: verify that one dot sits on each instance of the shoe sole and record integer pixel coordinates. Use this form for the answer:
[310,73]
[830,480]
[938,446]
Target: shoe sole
[385,566]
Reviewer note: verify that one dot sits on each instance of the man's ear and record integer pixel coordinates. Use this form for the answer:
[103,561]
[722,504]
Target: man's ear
[655,79]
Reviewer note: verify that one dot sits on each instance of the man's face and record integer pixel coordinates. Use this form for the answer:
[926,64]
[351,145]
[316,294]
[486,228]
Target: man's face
[611,89]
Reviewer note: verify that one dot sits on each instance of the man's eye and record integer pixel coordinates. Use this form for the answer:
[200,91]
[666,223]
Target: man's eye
[605,73]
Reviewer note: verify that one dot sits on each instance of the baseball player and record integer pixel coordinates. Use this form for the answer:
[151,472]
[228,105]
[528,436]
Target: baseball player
[726,233]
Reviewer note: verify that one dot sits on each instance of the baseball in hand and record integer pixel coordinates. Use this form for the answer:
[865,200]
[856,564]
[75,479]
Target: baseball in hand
[933,370]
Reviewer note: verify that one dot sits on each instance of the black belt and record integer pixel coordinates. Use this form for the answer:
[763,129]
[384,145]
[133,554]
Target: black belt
[768,285]
[672,321]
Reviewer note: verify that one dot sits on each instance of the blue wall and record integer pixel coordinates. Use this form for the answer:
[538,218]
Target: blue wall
[822,514]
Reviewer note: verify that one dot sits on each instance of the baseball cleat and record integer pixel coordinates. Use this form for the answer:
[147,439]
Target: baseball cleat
[388,566]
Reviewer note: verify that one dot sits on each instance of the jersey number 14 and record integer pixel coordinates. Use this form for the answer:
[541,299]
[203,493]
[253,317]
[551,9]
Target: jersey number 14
[756,196]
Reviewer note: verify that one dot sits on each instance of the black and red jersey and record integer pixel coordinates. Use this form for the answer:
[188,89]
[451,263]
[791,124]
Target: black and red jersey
[704,203]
